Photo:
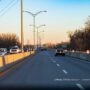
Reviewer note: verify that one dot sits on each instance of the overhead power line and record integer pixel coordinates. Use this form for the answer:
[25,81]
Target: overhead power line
[8,7]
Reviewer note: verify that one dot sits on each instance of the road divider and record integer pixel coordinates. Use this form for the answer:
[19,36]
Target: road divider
[1,61]
[80,55]
[9,60]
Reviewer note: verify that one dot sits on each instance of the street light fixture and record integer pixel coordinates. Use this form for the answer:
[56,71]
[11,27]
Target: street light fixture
[34,15]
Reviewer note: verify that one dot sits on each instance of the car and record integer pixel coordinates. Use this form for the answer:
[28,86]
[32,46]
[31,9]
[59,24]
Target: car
[43,49]
[3,51]
[15,49]
[59,51]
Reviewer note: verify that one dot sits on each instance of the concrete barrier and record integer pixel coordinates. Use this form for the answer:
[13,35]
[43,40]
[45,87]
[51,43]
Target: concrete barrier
[80,55]
[10,60]
[1,62]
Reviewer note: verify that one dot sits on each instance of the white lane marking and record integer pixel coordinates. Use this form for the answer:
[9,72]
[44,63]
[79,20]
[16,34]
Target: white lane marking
[66,79]
[65,71]
[57,79]
[80,86]
[58,65]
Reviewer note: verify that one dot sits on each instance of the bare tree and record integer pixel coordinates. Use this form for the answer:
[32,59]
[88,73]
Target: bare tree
[8,40]
[79,39]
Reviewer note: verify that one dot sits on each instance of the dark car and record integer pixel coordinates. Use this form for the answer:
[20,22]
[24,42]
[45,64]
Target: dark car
[59,52]
[43,49]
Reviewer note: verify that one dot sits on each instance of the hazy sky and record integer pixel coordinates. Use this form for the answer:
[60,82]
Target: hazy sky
[62,16]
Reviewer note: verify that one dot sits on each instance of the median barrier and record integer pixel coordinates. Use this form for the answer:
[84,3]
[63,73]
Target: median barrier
[1,62]
[9,60]
[80,55]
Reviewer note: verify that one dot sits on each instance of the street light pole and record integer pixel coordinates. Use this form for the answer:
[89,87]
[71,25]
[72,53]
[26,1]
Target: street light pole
[37,27]
[37,37]
[38,32]
[34,15]
[40,40]
[22,36]
[34,30]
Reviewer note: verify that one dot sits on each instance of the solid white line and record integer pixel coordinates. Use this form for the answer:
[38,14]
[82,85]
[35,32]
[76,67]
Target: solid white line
[65,71]
[58,65]
[80,86]
[57,79]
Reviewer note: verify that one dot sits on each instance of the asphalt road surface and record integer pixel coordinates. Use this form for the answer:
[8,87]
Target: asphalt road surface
[47,71]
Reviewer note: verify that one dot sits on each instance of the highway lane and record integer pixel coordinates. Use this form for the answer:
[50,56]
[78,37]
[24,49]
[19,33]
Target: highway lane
[46,70]
[75,69]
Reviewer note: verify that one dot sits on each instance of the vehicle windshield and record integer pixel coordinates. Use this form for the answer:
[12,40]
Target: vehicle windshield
[58,50]
[45,43]
[15,48]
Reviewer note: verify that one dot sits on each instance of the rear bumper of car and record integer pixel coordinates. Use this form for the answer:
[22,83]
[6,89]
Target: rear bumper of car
[56,54]
[12,52]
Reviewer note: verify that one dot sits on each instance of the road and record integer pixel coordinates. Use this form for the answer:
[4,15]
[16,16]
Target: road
[45,70]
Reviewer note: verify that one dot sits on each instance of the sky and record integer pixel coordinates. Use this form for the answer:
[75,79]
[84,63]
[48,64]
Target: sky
[61,16]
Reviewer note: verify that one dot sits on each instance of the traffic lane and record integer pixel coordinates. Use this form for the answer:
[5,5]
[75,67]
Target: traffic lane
[48,75]
[83,62]
[17,74]
[72,66]
[61,79]
[74,72]
[72,63]
[37,72]
[43,72]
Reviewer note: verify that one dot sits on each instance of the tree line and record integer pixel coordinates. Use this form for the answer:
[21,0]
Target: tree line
[80,38]
[8,40]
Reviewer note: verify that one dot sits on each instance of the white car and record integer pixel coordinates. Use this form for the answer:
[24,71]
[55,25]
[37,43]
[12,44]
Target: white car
[3,51]
[15,49]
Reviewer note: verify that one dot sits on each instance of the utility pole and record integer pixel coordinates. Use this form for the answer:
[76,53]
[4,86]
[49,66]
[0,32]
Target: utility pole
[34,29]
[22,36]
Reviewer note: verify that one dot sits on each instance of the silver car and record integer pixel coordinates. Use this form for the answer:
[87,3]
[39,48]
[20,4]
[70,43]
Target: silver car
[15,49]
[3,51]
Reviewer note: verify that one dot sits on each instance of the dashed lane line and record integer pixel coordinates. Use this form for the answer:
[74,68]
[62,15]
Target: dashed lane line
[58,65]
[80,86]
[65,71]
